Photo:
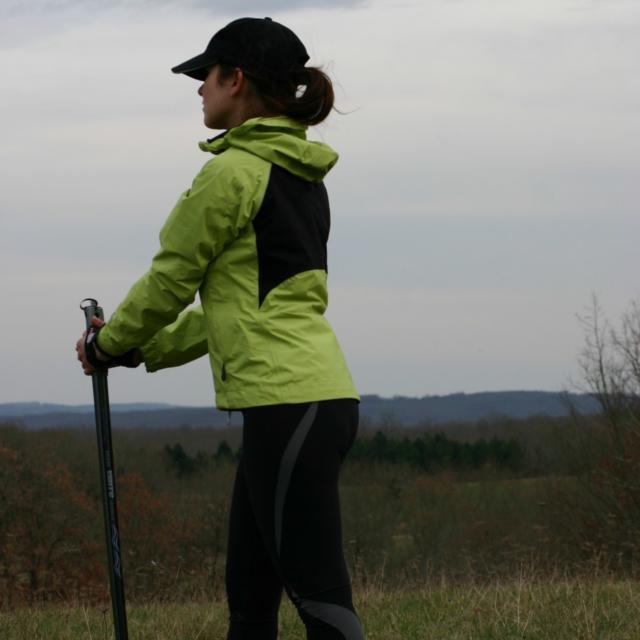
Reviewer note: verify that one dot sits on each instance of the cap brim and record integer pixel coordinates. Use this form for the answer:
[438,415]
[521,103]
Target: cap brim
[196,68]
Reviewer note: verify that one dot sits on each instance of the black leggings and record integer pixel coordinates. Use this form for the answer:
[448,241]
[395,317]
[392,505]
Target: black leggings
[284,530]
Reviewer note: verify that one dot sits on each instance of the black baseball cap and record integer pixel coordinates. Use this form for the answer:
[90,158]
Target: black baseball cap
[259,46]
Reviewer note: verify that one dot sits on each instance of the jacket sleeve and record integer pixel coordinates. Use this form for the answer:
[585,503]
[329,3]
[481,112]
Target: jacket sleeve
[178,343]
[205,219]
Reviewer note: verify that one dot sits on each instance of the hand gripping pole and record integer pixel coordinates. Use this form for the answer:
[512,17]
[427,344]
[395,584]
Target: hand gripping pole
[108,482]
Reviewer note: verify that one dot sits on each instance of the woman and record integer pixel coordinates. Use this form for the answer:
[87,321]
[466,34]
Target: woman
[250,237]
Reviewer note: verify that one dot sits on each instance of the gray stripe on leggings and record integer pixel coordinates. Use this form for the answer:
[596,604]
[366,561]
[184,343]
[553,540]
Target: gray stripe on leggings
[289,458]
[341,618]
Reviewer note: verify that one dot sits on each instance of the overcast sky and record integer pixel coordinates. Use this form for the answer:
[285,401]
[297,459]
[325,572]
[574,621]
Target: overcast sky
[489,181]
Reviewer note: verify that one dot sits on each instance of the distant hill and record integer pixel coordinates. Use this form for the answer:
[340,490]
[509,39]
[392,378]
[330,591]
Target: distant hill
[376,410]
[471,407]
[39,408]
[122,415]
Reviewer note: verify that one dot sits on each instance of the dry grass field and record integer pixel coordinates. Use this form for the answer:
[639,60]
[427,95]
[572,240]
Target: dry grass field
[523,609]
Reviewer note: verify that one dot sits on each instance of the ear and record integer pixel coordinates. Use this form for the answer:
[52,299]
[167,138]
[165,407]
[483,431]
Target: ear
[237,82]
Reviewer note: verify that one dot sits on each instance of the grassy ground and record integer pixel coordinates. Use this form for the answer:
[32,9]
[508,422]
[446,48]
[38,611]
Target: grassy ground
[523,610]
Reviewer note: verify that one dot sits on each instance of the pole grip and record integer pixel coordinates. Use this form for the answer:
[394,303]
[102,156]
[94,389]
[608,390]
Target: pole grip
[91,308]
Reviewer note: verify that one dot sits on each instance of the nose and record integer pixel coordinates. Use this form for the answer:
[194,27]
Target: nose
[200,89]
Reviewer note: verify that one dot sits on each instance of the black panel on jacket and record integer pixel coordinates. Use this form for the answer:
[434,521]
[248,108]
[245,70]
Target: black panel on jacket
[292,228]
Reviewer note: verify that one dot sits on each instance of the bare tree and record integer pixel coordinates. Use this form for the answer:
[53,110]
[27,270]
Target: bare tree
[610,370]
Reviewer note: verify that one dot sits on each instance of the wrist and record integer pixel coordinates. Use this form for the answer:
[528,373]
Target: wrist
[100,353]
[100,359]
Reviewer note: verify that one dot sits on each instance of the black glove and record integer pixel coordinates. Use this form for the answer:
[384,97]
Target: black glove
[131,358]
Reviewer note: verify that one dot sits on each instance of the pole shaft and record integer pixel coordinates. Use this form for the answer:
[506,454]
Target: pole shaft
[108,483]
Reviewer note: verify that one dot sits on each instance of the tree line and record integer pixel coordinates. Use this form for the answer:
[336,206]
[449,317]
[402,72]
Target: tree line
[430,453]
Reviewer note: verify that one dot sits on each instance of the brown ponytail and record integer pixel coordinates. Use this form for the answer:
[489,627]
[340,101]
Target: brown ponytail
[315,101]
[306,96]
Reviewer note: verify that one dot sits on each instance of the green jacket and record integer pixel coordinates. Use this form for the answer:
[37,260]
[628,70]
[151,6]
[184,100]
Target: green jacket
[250,237]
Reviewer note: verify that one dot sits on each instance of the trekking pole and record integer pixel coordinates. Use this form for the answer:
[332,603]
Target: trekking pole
[108,482]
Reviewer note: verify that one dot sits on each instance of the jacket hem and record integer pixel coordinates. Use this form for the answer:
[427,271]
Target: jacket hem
[237,402]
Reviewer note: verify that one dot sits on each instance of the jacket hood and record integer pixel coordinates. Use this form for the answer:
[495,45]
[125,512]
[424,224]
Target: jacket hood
[281,141]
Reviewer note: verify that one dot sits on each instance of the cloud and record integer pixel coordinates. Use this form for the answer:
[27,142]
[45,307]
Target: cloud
[24,23]
[16,7]
[267,6]
[488,178]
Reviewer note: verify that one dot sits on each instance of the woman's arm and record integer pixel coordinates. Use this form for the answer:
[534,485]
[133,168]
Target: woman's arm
[178,343]
[205,220]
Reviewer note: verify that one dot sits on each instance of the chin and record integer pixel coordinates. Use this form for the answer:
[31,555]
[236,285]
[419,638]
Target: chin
[212,124]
